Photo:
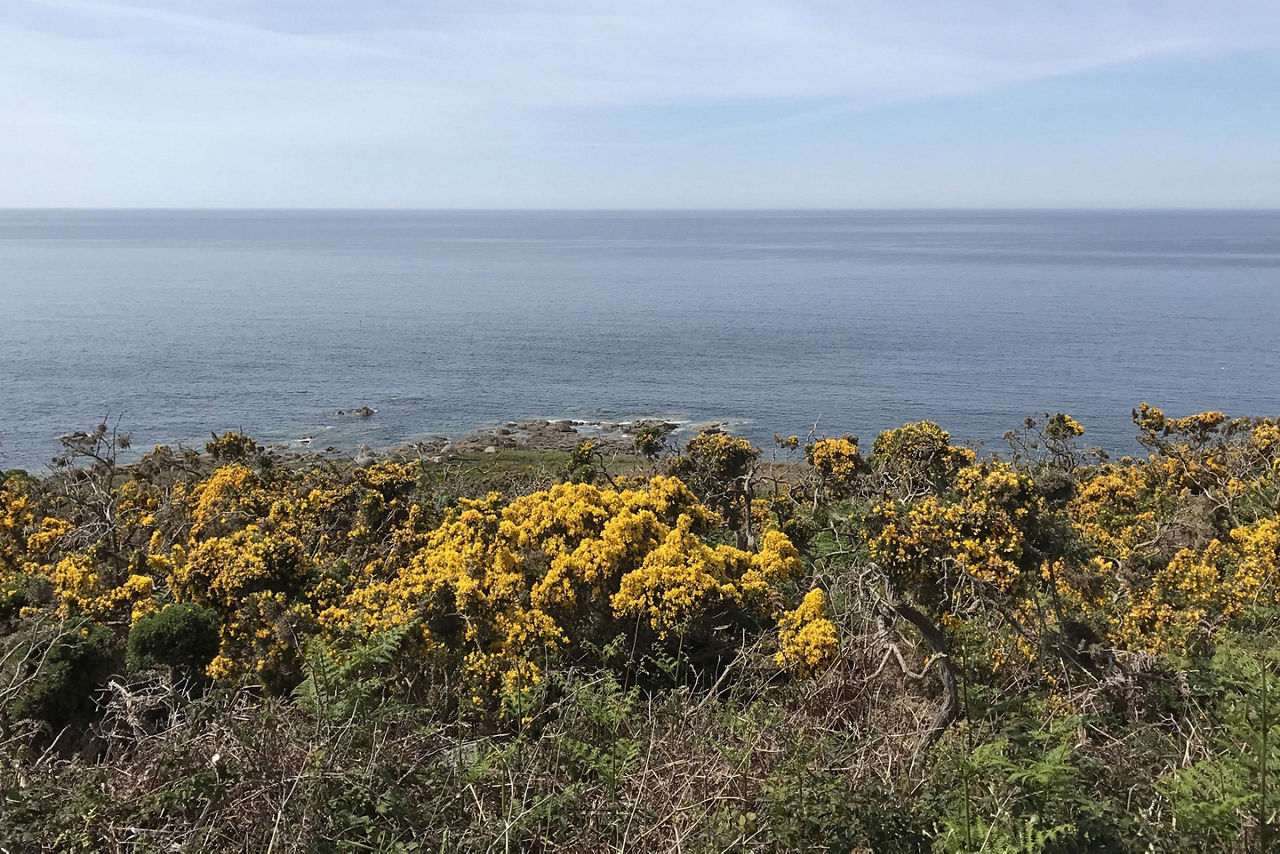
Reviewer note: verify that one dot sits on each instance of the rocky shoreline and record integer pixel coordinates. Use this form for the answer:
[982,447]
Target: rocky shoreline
[609,437]
[562,435]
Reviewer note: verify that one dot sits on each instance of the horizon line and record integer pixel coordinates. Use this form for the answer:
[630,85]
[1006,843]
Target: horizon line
[531,209]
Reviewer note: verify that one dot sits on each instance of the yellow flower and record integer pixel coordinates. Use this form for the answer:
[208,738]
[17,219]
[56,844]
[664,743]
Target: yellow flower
[807,637]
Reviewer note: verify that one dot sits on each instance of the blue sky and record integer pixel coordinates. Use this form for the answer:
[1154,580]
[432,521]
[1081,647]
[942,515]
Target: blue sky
[594,104]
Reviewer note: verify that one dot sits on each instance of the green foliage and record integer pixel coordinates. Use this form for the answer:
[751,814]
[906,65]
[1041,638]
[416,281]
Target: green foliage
[64,676]
[340,682]
[1052,594]
[13,594]
[181,635]
[1026,789]
[651,439]
[581,465]
[805,801]
[50,812]
[1230,796]
[598,746]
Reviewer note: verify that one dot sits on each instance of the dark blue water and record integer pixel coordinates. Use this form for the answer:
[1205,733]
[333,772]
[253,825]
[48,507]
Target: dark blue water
[184,322]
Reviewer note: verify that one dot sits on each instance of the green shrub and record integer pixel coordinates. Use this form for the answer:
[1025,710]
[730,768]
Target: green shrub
[581,465]
[652,438]
[183,636]
[805,802]
[1226,800]
[76,664]
[13,595]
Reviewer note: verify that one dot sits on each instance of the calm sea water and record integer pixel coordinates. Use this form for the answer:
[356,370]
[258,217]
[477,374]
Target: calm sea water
[185,322]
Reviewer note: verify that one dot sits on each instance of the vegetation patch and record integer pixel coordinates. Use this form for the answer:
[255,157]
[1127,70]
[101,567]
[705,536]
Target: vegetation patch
[806,647]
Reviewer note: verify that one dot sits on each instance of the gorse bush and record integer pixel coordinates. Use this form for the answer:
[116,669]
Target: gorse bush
[232,447]
[501,589]
[917,458]
[717,466]
[581,465]
[906,648]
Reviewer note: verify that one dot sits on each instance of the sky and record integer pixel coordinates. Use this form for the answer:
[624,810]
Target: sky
[662,104]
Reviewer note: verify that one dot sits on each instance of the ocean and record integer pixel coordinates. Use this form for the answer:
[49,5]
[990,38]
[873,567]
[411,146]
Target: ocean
[177,323]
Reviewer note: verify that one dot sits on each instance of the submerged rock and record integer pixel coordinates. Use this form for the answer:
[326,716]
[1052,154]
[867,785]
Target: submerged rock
[363,412]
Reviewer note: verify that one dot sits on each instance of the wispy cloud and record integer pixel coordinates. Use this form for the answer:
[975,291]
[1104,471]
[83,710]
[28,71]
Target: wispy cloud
[560,52]
[443,76]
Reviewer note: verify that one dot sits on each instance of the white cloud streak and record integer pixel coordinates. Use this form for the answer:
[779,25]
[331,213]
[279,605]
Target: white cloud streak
[81,79]
[568,52]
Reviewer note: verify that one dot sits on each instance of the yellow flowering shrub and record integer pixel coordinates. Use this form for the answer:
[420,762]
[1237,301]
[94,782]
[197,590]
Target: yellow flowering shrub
[1257,552]
[222,500]
[220,571]
[83,589]
[1231,461]
[49,535]
[231,446]
[1183,541]
[252,578]
[494,590]
[837,463]
[1047,439]
[807,637]
[1199,589]
[721,452]
[917,458]
[260,641]
[1155,554]
[364,506]
[678,580]
[509,585]
[1114,510]
[17,516]
[1063,426]
[17,521]
[1181,596]
[1196,428]
[932,546]
[714,466]
[1265,438]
